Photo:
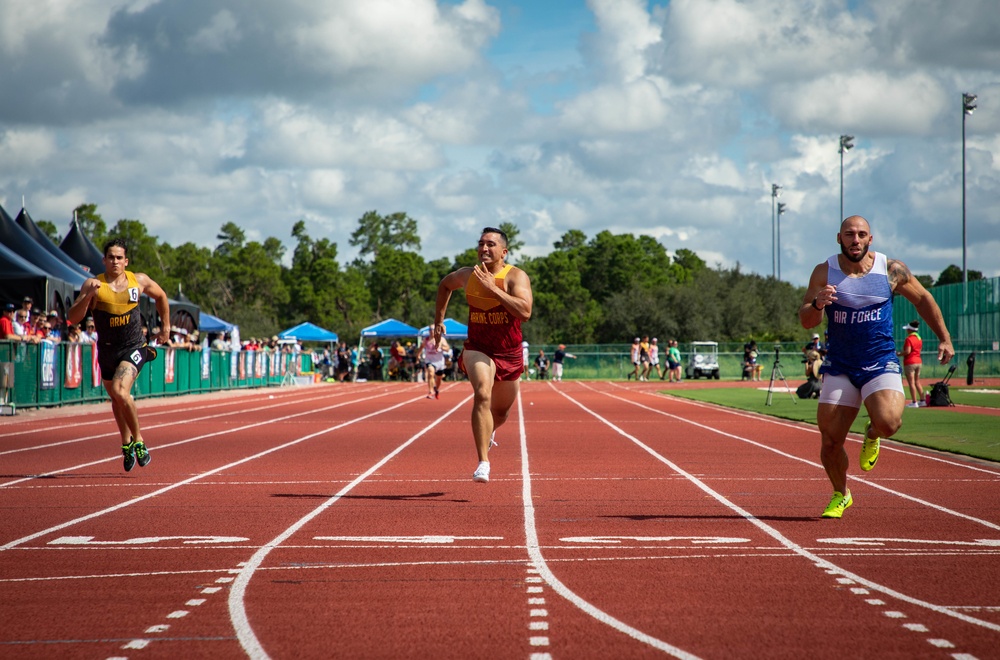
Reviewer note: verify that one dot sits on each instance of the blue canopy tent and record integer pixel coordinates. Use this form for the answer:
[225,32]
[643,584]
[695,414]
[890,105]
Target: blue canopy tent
[452,330]
[308,332]
[389,328]
[209,323]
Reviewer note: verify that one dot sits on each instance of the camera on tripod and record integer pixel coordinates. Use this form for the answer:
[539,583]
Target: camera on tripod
[777,352]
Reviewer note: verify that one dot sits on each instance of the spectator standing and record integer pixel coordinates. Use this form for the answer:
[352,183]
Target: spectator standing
[912,362]
[22,327]
[524,360]
[89,334]
[634,355]
[55,327]
[644,358]
[557,362]
[674,362]
[654,359]
[542,364]
[7,324]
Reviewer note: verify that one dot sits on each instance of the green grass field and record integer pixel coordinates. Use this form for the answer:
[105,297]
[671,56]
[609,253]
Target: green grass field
[962,433]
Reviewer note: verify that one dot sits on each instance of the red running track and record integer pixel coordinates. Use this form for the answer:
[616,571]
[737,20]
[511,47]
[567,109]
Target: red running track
[342,521]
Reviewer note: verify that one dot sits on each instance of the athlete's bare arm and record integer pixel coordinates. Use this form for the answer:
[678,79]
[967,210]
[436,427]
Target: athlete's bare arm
[153,290]
[905,284]
[79,308]
[811,315]
[517,298]
[451,282]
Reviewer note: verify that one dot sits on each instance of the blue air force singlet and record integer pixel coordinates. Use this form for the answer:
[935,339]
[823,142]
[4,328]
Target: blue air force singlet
[860,322]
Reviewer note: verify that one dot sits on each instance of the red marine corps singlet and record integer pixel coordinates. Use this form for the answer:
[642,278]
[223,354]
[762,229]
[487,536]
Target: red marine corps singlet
[493,330]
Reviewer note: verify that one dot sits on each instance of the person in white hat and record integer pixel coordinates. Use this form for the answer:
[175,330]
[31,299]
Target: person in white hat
[912,362]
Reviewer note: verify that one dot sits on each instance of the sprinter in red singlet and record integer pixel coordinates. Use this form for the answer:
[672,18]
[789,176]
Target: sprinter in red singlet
[499,297]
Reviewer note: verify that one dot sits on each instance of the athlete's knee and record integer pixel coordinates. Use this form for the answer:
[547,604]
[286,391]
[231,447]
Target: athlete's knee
[887,426]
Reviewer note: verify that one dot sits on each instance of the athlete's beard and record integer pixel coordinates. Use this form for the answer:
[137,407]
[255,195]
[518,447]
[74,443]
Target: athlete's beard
[864,253]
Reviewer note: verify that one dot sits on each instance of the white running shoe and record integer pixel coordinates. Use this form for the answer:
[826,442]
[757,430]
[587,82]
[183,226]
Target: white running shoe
[482,473]
[493,443]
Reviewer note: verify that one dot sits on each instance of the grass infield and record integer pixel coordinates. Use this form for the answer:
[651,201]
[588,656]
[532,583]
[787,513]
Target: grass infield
[947,430]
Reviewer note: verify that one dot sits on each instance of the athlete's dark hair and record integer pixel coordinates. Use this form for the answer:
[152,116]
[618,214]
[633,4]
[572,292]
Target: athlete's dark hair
[494,230]
[116,242]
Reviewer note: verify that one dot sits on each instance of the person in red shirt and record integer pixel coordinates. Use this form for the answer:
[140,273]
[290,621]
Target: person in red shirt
[7,324]
[912,346]
[500,298]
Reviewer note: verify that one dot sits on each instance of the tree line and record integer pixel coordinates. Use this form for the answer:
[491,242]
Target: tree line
[605,289]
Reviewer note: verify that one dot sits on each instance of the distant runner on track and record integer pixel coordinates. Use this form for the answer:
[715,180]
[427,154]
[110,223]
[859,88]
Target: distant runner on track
[112,298]
[499,297]
[854,291]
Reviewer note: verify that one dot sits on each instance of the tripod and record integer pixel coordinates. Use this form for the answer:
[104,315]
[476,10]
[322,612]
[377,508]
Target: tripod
[776,370]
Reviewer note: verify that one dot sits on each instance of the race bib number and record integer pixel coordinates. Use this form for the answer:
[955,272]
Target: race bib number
[133,294]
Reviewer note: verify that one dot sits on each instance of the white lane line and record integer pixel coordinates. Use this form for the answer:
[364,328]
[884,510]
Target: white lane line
[896,446]
[149,427]
[937,507]
[156,493]
[237,606]
[820,562]
[541,565]
[118,458]
[101,416]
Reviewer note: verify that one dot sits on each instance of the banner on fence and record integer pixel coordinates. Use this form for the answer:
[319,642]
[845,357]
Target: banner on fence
[74,372]
[168,366]
[48,365]
[206,360]
[95,367]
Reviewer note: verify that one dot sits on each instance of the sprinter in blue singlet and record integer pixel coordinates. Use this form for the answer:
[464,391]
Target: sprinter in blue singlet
[854,290]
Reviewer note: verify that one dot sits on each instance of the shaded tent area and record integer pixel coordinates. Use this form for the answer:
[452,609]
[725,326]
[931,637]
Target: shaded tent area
[389,328]
[385,329]
[21,244]
[210,323]
[81,249]
[309,332]
[25,222]
[183,312]
[19,278]
[452,330]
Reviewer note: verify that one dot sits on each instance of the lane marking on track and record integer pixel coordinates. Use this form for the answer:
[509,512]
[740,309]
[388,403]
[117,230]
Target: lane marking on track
[653,539]
[100,416]
[541,565]
[223,468]
[237,606]
[885,489]
[442,539]
[819,561]
[896,446]
[147,540]
[993,543]
[213,435]
[105,436]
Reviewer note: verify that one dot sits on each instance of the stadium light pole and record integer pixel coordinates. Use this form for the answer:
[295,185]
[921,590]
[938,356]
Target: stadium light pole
[968,107]
[774,195]
[782,207]
[846,143]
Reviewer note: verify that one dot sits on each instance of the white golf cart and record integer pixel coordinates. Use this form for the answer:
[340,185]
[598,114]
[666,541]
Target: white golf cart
[704,360]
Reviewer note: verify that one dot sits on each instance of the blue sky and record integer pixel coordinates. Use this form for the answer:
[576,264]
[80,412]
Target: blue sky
[669,119]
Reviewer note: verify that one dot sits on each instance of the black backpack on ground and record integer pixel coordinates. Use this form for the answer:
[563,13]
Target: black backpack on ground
[940,394]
